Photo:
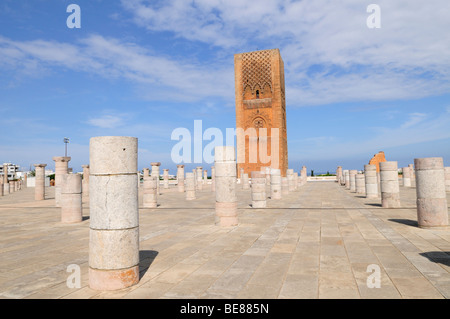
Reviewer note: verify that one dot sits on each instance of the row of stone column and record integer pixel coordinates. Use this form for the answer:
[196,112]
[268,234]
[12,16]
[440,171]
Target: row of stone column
[432,183]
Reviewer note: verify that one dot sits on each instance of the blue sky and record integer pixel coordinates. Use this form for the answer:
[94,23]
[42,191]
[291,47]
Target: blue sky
[143,68]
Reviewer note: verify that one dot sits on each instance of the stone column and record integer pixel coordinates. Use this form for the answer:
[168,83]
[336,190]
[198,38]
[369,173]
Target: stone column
[213,179]
[411,169]
[304,175]
[198,174]
[205,176]
[190,186]
[150,196]
[352,174]
[85,182]
[275,184]
[390,191]
[347,178]
[290,178]
[180,178]
[258,190]
[406,174]
[61,168]
[267,173]
[17,185]
[245,181]
[12,186]
[226,200]
[25,180]
[432,208]
[155,172]
[360,184]
[114,209]
[339,174]
[284,186]
[241,172]
[447,178]
[6,188]
[1,187]
[296,181]
[146,173]
[166,178]
[5,174]
[71,202]
[370,173]
[39,187]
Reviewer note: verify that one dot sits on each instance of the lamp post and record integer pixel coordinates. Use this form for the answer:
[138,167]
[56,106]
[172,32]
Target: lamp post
[66,141]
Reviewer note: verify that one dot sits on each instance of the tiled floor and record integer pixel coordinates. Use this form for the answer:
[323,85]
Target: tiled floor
[317,242]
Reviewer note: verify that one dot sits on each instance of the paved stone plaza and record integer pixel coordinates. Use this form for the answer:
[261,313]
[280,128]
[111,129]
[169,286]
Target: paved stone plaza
[316,242]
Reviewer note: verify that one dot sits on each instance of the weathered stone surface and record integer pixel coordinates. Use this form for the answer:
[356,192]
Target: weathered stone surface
[432,208]
[225,174]
[390,191]
[360,184]
[352,174]
[150,195]
[275,184]
[71,201]
[190,186]
[371,180]
[39,188]
[258,190]
[180,178]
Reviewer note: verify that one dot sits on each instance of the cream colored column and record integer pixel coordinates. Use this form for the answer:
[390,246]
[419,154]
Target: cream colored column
[275,183]
[267,172]
[150,196]
[39,184]
[290,178]
[213,179]
[370,172]
[304,175]
[12,187]
[447,178]
[258,190]
[146,173]
[205,176]
[360,184]
[352,175]
[180,178]
[406,174]
[166,178]
[339,175]
[61,168]
[432,208]
[241,172]
[347,178]
[85,182]
[71,201]
[245,181]
[390,191]
[284,186]
[190,186]
[114,213]
[198,174]
[25,180]
[226,200]
[156,173]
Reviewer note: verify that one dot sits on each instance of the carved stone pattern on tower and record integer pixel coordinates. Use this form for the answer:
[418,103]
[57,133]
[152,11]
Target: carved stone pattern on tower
[256,70]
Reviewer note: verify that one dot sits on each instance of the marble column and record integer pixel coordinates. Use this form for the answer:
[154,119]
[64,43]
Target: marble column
[190,186]
[156,173]
[339,174]
[166,178]
[226,200]
[295,181]
[267,172]
[284,186]
[146,174]
[85,182]
[114,213]
[290,178]
[360,184]
[150,195]
[347,178]
[258,190]
[275,184]
[71,201]
[199,178]
[12,187]
[352,174]
[25,180]
[245,181]
[447,178]
[390,191]
[406,176]
[61,168]
[432,208]
[304,175]
[213,179]
[39,184]
[370,172]
[205,176]
[180,178]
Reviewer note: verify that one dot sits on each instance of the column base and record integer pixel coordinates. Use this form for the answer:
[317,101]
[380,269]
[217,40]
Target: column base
[113,279]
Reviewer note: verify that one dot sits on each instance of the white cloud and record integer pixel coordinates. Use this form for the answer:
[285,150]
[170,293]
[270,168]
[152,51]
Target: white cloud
[106,121]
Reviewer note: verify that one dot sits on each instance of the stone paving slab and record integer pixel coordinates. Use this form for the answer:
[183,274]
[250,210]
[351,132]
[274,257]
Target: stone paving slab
[316,242]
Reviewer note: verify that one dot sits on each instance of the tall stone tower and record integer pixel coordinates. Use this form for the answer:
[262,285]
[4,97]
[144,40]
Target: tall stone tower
[260,103]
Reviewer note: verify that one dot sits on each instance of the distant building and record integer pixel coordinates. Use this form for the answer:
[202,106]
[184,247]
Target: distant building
[12,170]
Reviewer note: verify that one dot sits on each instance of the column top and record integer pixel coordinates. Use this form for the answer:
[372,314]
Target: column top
[61,158]
[40,165]
[165,169]
[180,166]
[155,164]
[85,166]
